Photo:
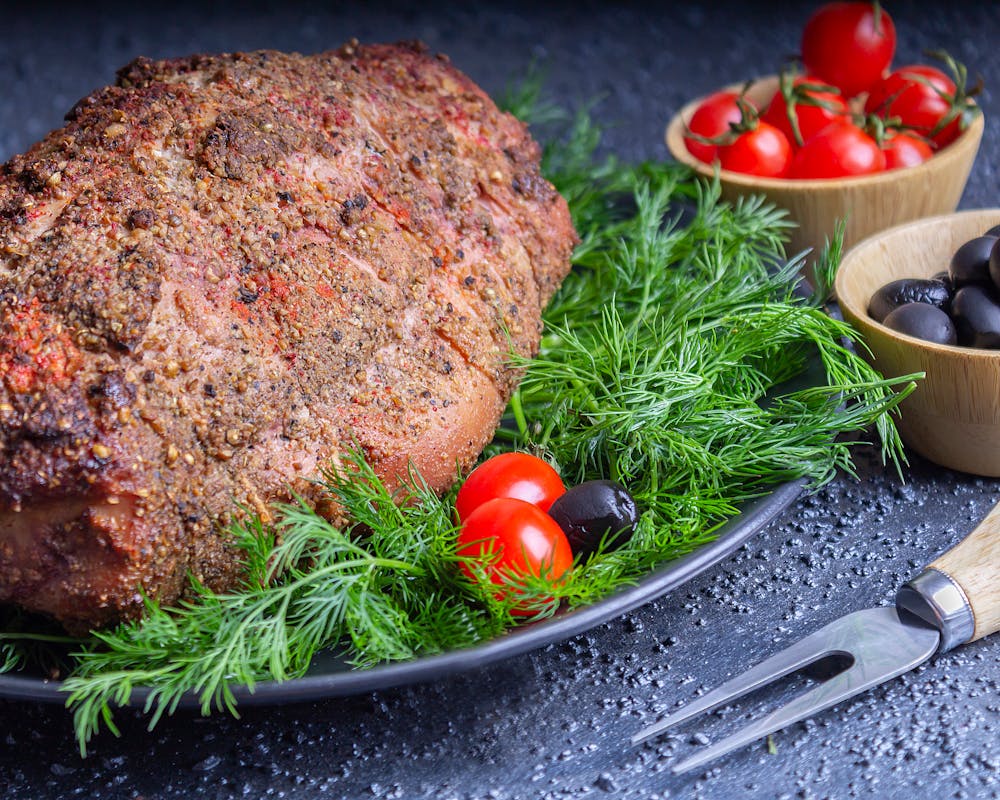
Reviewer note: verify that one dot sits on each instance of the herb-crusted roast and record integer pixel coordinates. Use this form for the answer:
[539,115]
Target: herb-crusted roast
[226,269]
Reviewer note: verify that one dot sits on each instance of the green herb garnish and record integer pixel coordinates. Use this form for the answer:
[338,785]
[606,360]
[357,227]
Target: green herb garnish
[662,367]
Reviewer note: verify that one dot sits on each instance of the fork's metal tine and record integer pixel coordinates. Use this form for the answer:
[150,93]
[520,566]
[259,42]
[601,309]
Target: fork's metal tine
[821,697]
[884,647]
[794,657]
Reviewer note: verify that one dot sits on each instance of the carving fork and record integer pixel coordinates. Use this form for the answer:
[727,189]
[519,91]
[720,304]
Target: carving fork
[954,601]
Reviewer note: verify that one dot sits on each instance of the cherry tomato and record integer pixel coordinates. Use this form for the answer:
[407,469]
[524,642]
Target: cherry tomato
[711,120]
[813,109]
[840,149]
[849,45]
[889,87]
[920,96]
[905,150]
[518,475]
[763,150]
[520,538]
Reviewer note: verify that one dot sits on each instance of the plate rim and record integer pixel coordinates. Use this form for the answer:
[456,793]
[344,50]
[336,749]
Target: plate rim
[733,534]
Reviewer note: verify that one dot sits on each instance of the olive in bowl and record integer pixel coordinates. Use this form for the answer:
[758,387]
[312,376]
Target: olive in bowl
[971,262]
[977,316]
[932,291]
[952,417]
[924,321]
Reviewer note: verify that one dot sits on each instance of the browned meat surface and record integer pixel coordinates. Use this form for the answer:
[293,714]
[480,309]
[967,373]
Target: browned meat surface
[226,269]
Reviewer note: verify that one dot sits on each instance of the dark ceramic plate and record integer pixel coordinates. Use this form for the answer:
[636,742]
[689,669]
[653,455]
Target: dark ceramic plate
[329,677]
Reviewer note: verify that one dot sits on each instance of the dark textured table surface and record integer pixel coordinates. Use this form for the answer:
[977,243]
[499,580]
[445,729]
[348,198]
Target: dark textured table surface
[555,723]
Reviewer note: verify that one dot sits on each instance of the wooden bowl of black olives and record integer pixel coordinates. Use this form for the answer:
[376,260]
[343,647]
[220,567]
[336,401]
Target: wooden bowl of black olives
[926,297]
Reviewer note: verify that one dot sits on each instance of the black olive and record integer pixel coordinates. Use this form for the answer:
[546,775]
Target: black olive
[971,262]
[924,322]
[594,511]
[977,317]
[945,278]
[908,290]
[994,231]
[995,262]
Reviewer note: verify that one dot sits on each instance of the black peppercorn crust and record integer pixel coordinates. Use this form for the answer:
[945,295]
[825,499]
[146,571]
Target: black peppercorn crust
[226,269]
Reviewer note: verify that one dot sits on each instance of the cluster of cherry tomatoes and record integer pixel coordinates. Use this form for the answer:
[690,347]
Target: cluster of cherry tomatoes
[848,114]
[517,516]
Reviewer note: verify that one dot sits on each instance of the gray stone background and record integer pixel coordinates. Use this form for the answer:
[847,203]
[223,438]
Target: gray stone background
[555,723]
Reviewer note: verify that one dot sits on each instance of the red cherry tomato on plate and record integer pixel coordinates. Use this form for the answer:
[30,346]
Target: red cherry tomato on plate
[711,120]
[763,151]
[520,538]
[839,150]
[813,109]
[905,150]
[921,96]
[517,475]
[849,45]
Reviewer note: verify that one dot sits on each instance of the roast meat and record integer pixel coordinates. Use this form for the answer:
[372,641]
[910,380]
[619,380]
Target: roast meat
[225,270]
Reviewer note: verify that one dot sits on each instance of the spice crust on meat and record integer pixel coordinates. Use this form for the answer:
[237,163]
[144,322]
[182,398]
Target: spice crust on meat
[225,270]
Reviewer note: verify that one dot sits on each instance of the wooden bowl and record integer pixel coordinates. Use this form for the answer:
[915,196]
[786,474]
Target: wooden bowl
[953,417]
[869,203]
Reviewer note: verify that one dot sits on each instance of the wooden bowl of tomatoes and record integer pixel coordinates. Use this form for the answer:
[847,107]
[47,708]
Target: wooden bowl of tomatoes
[846,138]
[867,202]
[952,417]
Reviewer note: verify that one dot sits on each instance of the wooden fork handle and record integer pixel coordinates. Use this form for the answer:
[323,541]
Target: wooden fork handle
[974,564]
[960,591]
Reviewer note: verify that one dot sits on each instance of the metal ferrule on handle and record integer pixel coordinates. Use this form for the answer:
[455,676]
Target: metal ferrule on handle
[959,592]
[938,600]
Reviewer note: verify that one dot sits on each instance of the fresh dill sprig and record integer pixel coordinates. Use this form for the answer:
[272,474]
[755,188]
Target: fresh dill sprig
[386,588]
[668,360]
[30,642]
[668,364]
[674,386]
[825,269]
[526,100]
